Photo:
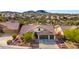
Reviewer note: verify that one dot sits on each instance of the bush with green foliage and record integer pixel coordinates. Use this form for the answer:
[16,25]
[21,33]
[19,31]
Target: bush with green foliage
[14,36]
[9,42]
[72,35]
[28,37]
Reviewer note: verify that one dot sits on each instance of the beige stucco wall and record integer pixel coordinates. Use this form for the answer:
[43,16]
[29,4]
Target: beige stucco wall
[58,29]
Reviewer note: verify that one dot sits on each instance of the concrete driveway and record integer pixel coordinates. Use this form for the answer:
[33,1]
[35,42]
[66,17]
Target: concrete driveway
[47,44]
[3,39]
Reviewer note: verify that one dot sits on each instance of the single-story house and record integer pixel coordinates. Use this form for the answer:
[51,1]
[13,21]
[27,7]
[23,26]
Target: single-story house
[9,27]
[43,31]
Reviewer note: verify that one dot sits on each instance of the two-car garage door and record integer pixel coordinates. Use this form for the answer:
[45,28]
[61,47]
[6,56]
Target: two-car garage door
[46,37]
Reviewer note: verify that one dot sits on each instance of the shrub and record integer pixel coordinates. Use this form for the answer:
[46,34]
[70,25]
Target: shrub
[14,36]
[72,35]
[9,42]
[28,37]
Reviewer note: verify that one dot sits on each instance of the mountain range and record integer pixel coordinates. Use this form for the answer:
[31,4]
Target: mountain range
[38,11]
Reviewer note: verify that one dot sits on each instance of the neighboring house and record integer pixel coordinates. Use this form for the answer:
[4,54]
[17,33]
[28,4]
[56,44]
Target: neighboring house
[60,29]
[1,28]
[68,27]
[9,27]
[43,31]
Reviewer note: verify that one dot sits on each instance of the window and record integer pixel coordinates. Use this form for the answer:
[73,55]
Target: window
[51,36]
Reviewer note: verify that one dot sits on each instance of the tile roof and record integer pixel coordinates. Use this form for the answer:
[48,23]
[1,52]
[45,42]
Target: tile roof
[49,28]
[27,28]
[10,25]
[68,27]
[45,32]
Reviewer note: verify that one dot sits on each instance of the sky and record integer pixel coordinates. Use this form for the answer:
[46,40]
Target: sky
[54,6]
[64,11]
